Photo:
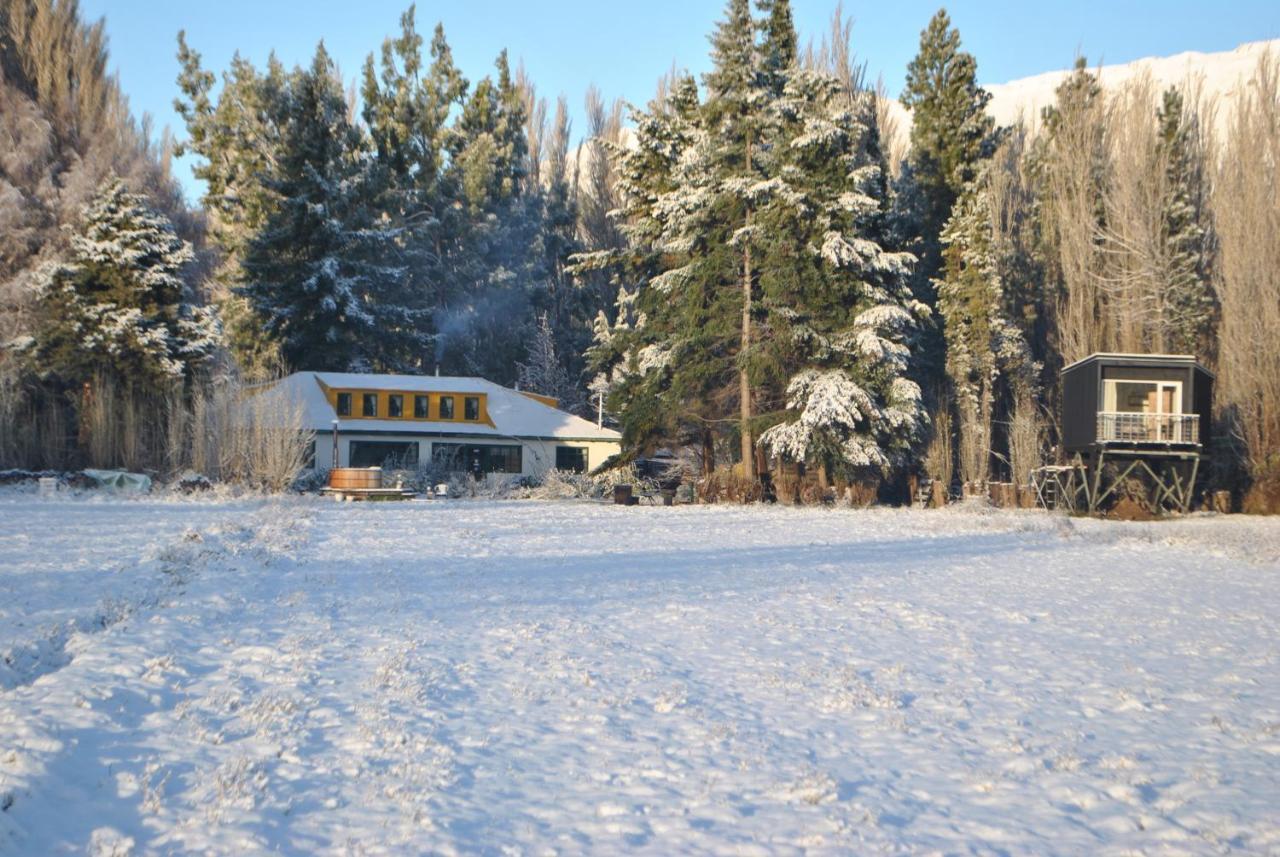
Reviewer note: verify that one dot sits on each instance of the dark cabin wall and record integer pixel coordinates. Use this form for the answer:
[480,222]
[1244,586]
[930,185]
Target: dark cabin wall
[1079,406]
[1204,405]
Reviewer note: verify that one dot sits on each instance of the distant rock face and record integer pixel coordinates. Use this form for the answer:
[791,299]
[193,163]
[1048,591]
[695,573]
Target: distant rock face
[1219,76]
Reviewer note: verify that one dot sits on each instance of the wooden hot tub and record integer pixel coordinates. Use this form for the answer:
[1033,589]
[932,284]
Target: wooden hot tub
[347,478]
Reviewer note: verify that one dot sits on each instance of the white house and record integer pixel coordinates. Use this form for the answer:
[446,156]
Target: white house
[468,424]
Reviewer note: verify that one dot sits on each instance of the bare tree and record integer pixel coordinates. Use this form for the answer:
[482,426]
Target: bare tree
[1246,207]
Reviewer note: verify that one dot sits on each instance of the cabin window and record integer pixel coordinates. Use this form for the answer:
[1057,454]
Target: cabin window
[446,407]
[395,406]
[369,406]
[344,404]
[571,459]
[477,459]
[471,408]
[420,407]
[1142,397]
[388,455]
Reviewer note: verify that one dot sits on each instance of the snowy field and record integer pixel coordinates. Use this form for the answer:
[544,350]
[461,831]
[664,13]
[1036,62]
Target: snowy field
[531,678]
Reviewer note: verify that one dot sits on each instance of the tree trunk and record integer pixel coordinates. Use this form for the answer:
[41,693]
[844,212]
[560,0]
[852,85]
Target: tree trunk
[744,383]
[708,452]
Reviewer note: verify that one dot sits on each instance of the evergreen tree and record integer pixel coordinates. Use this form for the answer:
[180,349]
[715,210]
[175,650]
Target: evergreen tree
[314,274]
[737,101]
[236,138]
[839,305]
[406,110]
[982,343]
[120,305]
[1187,305]
[950,134]
[542,372]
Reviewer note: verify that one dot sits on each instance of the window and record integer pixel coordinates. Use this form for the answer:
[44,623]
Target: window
[471,408]
[369,406]
[477,459]
[385,454]
[395,406]
[446,407]
[1143,397]
[571,459]
[420,411]
[344,404]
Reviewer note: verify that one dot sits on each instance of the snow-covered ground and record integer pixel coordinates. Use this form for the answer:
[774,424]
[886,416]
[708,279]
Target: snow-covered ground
[472,677]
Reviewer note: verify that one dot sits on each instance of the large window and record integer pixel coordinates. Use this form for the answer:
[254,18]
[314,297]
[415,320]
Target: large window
[571,459]
[1143,397]
[369,404]
[344,404]
[471,408]
[395,406]
[420,411]
[391,455]
[446,407]
[478,459]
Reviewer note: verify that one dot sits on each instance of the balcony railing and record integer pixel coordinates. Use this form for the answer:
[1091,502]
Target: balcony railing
[1148,428]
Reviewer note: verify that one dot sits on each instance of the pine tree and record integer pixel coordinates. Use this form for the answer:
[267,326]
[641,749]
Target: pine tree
[541,372]
[314,274]
[406,110]
[982,343]
[950,134]
[839,305]
[237,138]
[120,305]
[1187,303]
[736,102]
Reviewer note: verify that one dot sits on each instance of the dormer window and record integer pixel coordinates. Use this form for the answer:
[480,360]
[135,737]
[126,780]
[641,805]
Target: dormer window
[344,404]
[395,406]
[446,407]
[471,408]
[369,403]
[420,407]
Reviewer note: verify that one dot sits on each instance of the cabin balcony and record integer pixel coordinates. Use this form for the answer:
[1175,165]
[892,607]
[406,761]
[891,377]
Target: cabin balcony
[1136,427]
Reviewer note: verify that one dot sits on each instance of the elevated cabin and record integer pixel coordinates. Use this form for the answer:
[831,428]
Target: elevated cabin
[463,424]
[1136,403]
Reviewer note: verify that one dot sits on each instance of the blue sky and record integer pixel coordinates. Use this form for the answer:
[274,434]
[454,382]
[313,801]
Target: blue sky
[624,47]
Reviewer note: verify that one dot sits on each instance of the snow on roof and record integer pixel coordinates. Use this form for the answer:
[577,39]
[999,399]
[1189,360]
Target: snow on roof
[1122,355]
[514,414]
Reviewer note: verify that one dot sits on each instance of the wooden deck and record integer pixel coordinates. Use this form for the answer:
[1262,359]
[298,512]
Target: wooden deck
[369,494]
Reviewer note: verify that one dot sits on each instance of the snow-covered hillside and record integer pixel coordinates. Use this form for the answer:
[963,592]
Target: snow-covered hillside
[1218,76]
[468,677]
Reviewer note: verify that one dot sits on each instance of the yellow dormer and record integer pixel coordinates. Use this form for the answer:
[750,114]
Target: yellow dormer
[408,405]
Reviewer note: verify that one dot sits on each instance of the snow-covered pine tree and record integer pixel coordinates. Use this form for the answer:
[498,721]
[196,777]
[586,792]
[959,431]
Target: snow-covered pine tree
[950,134]
[236,138]
[839,304]
[1187,306]
[541,372]
[406,109]
[120,305]
[495,264]
[738,94]
[315,274]
[983,345]
[663,356]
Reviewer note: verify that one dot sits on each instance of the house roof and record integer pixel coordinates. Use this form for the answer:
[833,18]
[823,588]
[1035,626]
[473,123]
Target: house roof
[1113,358]
[514,414]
